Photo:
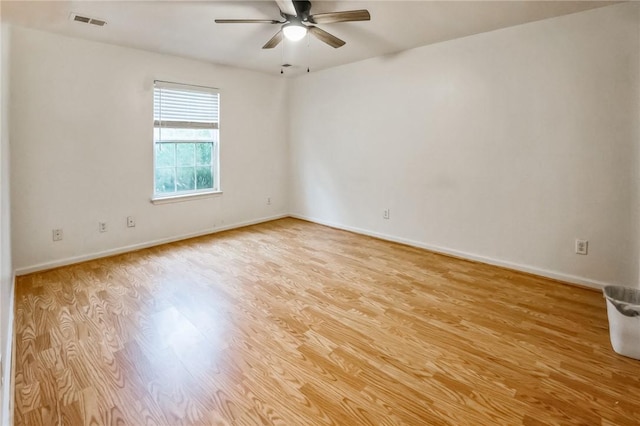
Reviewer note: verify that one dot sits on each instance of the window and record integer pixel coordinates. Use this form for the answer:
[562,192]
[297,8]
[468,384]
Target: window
[185,139]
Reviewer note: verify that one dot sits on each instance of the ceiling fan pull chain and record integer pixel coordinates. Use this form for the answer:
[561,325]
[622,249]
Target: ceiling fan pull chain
[307,50]
[282,57]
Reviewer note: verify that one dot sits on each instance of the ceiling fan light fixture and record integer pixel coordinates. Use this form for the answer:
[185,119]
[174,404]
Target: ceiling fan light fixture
[294,32]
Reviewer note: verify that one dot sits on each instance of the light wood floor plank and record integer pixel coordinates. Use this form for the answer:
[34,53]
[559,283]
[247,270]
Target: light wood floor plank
[294,323]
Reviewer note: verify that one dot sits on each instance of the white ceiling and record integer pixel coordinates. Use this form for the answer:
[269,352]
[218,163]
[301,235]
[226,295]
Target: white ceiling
[186,28]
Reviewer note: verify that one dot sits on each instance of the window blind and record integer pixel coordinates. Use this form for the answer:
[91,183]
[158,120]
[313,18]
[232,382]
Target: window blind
[185,107]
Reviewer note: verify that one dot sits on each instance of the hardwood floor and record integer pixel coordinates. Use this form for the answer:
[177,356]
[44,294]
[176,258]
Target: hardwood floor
[294,323]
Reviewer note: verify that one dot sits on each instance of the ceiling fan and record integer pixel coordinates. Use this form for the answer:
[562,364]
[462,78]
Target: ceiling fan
[296,13]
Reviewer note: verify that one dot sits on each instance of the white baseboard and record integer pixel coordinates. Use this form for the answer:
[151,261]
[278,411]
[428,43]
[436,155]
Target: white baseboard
[111,252]
[571,279]
[7,359]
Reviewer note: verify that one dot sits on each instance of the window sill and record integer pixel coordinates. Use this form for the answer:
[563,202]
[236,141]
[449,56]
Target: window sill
[184,197]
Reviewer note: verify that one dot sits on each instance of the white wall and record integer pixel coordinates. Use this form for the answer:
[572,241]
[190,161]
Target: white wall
[6,265]
[81,134]
[504,146]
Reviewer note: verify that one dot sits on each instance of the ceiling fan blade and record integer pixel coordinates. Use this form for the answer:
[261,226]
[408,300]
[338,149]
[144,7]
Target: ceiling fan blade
[275,40]
[333,17]
[287,7]
[324,36]
[247,21]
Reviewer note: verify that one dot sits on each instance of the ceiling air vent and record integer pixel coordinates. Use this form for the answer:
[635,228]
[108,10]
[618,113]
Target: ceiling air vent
[87,20]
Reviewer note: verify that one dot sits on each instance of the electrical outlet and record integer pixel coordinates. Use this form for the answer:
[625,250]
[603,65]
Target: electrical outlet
[386,214]
[57,234]
[131,222]
[268,201]
[582,246]
[102,226]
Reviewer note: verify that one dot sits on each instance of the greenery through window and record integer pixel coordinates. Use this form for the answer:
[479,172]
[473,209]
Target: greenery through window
[186,139]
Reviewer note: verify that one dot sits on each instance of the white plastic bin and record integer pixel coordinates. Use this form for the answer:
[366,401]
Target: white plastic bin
[623,310]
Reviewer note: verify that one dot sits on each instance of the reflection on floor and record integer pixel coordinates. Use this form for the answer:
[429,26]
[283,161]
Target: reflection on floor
[294,323]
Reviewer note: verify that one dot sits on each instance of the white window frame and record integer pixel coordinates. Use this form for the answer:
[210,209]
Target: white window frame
[160,198]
